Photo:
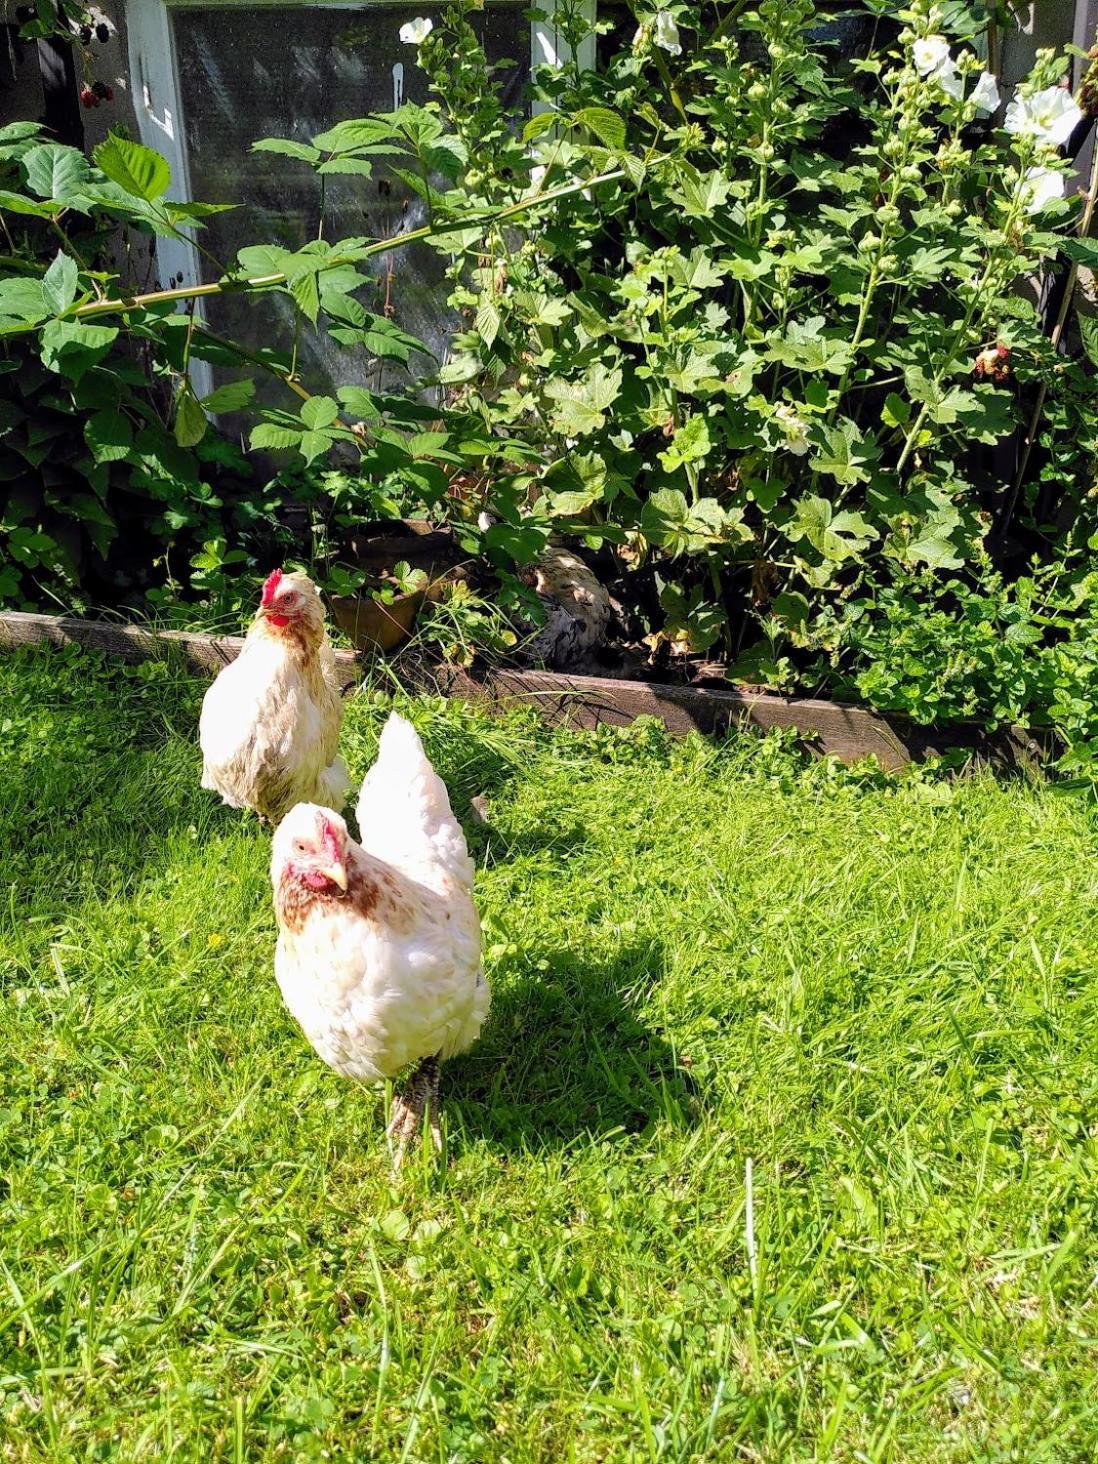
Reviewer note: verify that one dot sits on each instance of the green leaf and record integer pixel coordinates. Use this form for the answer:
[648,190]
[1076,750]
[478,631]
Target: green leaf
[19,132]
[896,412]
[569,504]
[270,434]
[690,444]
[700,195]
[71,348]
[921,388]
[190,420]
[356,132]
[845,454]
[488,320]
[59,283]
[542,309]
[664,515]
[580,406]
[1088,330]
[264,259]
[933,550]
[319,411]
[189,212]
[16,203]
[607,126]
[835,536]
[109,435]
[54,171]
[22,300]
[792,608]
[805,347]
[539,124]
[288,148]
[446,155]
[1082,251]
[359,402]
[232,397]
[348,167]
[134,167]
[313,444]
[306,294]
[384,338]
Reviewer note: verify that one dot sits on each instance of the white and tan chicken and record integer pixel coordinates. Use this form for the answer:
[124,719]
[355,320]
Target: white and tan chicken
[269,729]
[378,954]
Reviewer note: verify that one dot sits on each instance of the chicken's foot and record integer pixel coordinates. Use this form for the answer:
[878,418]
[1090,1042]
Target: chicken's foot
[408,1108]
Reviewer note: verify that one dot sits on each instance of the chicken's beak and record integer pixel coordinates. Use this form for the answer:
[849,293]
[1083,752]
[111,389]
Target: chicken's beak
[337,873]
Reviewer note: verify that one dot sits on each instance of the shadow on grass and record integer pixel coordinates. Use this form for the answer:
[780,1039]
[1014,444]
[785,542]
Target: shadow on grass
[566,1053]
[102,774]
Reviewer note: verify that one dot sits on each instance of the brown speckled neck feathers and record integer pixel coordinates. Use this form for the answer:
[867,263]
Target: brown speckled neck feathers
[374,893]
[295,902]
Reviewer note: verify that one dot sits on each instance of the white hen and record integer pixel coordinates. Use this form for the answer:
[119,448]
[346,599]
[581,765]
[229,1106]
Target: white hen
[378,953]
[269,729]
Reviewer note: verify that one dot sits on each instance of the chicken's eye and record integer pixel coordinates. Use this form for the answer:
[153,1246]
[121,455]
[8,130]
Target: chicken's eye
[299,846]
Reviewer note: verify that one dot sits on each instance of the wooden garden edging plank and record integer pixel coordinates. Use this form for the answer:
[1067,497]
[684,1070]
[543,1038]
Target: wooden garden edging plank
[846,732]
[137,642]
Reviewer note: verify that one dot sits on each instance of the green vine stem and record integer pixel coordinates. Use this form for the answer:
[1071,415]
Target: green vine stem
[126,305]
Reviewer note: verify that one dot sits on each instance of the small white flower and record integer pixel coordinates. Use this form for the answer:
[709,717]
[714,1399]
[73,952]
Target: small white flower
[950,80]
[986,95]
[415,32]
[666,33]
[794,427]
[930,54]
[1040,187]
[1050,116]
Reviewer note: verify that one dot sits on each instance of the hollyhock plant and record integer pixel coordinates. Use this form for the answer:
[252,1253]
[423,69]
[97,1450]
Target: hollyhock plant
[930,54]
[1040,187]
[986,93]
[1049,117]
[415,32]
[665,33]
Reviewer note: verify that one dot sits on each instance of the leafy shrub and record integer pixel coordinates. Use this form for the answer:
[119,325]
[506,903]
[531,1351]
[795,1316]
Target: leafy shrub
[998,653]
[776,349]
[98,487]
[741,315]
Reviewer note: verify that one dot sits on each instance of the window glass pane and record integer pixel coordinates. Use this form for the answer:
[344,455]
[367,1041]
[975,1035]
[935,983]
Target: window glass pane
[293,72]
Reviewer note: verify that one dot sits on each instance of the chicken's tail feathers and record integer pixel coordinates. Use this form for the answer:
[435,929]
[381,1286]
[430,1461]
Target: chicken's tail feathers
[334,784]
[402,795]
[399,739]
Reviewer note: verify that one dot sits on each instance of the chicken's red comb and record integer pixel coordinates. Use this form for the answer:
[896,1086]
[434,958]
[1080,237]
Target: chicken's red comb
[330,838]
[270,586]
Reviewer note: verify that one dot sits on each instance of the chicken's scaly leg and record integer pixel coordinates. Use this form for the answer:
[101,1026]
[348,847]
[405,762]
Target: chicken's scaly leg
[408,1107]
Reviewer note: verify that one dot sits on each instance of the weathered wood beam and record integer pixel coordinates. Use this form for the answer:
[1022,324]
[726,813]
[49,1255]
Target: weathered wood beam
[137,642]
[846,732]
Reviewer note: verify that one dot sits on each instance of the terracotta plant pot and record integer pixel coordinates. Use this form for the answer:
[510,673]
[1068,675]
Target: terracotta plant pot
[376,547]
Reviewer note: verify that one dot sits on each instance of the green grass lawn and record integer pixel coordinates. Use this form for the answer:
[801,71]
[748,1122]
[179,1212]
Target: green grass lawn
[779,1145]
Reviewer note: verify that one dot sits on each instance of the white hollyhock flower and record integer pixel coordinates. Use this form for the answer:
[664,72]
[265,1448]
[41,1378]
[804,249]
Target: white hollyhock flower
[1040,187]
[794,427]
[950,80]
[930,54]
[415,32]
[666,33]
[986,95]
[1050,116]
